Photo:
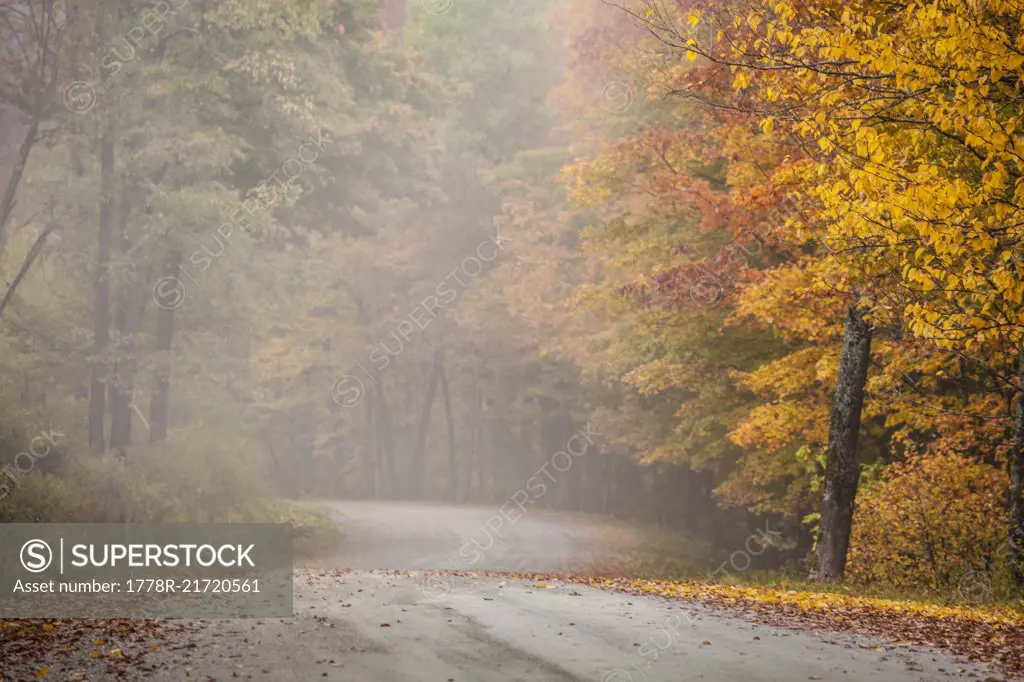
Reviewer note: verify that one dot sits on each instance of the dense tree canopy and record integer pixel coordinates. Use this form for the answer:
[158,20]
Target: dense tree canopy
[767,255]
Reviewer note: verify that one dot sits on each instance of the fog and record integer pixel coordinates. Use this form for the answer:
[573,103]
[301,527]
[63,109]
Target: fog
[263,264]
[722,296]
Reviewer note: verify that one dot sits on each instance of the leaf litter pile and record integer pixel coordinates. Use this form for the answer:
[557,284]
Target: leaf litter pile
[983,635]
[81,649]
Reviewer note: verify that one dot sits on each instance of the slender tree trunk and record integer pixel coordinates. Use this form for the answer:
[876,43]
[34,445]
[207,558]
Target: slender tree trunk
[453,465]
[385,444]
[1016,553]
[586,464]
[472,471]
[370,476]
[419,467]
[606,489]
[370,447]
[117,247]
[99,369]
[26,265]
[304,444]
[127,322]
[160,402]
[409,415]
[124,395]
[340,461]
[278,439]
[842,471]
[7,203]
[48,49]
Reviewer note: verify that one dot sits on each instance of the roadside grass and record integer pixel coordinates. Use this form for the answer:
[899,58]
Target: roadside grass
[982,595]
[983,623]
[811,596]
[989,633]
[191,478]
[665,555]
[997,601]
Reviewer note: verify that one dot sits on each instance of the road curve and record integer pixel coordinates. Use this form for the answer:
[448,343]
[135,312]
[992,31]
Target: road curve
[405,624]
[387,627]
[425,536]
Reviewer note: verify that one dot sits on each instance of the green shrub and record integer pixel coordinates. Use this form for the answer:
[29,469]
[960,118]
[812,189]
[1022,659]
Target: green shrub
[194,478]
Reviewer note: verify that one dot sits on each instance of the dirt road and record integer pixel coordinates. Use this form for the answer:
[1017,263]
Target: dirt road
[380,626]
[401,625]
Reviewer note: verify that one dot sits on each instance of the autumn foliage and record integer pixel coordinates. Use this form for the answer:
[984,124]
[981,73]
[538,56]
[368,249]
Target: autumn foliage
[691,197]
[934,520]
[747,172]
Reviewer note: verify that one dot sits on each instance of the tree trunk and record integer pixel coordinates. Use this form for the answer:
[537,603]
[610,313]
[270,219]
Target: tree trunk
[26,265]
[419,454]
[471,492]
[606,488]
[453,465]
[369,447]
[124,385]
[127,323]
[303,428]
[284,473]
[7,203]
[842,471]
[117,247]
[1016,554]
[160,402]
[385,444]
[584,485]
[98,370]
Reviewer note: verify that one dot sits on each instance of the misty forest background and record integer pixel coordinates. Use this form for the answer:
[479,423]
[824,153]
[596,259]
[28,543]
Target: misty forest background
[659,281]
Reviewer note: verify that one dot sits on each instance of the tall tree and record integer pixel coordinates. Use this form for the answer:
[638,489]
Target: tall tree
[842,471]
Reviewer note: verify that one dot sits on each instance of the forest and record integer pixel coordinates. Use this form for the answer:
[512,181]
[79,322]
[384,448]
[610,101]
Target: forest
[704,265]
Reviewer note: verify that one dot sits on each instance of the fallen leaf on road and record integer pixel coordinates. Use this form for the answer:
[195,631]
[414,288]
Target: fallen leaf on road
[989,635]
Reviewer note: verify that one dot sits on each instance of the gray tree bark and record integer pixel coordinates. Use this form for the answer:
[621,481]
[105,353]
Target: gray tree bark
[1016,554]
[842,472]
[99,369]
[453,467]
[159,403]
[419,464]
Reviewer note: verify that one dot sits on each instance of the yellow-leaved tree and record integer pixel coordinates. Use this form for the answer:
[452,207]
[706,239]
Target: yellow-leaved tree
[904,124]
